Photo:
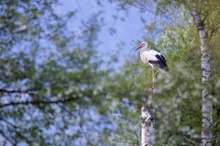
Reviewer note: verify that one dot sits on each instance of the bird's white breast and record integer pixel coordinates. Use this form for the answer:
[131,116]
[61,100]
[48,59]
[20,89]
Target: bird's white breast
[147,55]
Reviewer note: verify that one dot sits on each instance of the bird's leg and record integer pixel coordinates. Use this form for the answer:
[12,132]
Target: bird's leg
[157,72]
[152,76]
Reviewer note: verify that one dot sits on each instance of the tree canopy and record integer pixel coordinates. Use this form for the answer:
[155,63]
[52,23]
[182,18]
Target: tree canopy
[57,89]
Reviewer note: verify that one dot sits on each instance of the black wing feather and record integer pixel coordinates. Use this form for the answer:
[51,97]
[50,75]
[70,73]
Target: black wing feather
[162,62]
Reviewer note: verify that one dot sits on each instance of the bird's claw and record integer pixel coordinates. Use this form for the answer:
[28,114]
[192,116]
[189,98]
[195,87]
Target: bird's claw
[149,89]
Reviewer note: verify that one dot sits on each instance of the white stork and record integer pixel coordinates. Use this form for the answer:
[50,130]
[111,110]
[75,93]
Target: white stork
[152,57]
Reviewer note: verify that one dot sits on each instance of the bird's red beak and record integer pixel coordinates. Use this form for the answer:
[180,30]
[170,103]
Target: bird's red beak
[138,48]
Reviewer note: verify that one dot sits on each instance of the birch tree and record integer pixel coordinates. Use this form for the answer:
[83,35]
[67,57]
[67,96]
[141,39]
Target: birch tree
[148,130]
[199,14]
[206,71]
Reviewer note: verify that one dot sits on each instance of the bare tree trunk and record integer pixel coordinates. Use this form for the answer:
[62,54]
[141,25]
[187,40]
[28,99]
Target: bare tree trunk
[147,126]
[206,69]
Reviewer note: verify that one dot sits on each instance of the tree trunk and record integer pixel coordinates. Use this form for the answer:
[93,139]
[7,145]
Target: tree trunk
[147,126]
[206,69]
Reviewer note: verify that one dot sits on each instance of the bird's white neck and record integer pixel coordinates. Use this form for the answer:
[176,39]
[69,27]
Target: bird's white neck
[143,53]
[144,49]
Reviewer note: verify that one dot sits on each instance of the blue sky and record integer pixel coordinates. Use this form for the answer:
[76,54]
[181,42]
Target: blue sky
[129,31]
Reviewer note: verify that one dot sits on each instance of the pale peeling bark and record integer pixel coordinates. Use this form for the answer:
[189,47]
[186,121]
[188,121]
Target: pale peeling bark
[147,127]
[206,69]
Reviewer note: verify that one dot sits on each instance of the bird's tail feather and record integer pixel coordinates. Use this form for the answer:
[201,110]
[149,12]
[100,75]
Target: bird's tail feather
[164,68]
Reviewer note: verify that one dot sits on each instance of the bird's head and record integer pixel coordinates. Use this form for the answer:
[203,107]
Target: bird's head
[142,45]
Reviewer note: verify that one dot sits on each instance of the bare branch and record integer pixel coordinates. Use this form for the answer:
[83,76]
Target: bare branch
[213,30]
[189,140]
[38,102]
[5,137]
[216,123]
[9,123]
[31,92]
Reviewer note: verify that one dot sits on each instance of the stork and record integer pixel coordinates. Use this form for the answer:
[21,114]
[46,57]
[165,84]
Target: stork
[153,58]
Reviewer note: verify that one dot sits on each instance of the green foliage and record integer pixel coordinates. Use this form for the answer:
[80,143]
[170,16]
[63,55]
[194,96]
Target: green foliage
[51,86]
[56,89]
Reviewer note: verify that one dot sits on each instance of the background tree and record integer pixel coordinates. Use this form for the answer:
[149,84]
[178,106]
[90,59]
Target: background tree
[51,85]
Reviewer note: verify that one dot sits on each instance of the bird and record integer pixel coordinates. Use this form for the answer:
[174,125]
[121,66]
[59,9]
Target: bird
[153,58]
